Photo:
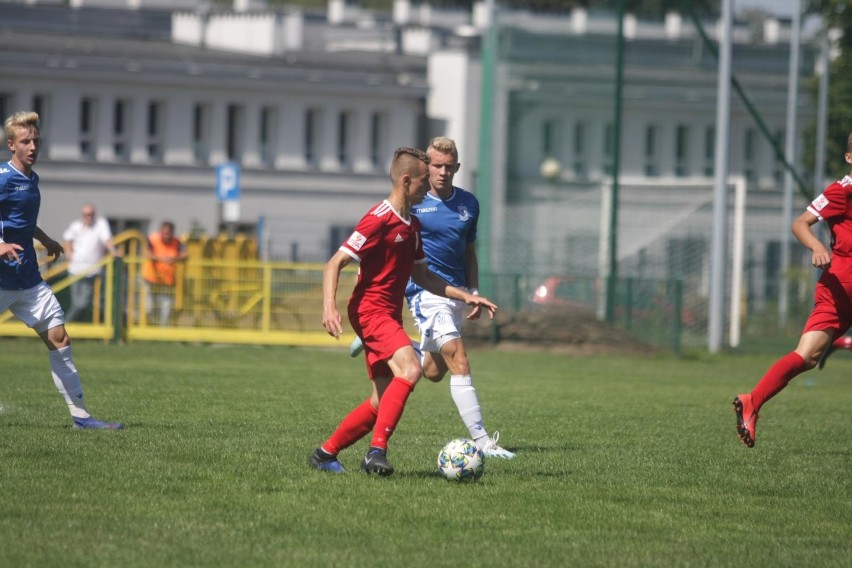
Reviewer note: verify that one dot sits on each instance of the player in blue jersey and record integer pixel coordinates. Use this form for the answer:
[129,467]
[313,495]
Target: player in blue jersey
[22,289]
[448,216]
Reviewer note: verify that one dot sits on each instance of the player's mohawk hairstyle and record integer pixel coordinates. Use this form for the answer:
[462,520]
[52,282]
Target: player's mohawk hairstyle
[414,152]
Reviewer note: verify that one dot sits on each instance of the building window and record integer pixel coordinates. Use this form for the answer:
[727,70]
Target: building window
[234,143]
[200,133]
[377,137]
[338,234]
[87,128]
[651,150]
[268,122]
[710,151]
[778,165]
[608,149]
[550,139]
[120,145]
[682,151]
[749,155]
[343,133]
[5,106]
[311,124]
[580,157]
[40,106]
[154,131]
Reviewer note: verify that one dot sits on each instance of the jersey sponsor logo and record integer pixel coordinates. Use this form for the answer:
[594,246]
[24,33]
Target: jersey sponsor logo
[21,188]
[463,214]
[356,241]
[426,210]
[4,170]
[398,238]
[820,202]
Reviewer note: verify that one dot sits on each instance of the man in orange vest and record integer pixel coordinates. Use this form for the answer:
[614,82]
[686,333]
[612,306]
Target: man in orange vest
[160,271]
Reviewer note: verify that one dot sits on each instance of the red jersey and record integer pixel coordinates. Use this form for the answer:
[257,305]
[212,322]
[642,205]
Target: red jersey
[387,246]
[834,206]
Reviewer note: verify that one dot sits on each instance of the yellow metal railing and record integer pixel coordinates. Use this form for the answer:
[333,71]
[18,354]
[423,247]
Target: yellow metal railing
[221,295]
[235,302]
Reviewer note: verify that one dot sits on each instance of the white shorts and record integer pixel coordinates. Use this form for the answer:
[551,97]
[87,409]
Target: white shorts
[438,319]
[37,307]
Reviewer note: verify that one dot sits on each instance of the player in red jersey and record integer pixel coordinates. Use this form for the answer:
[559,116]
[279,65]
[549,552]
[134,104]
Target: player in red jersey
[832,313]
[387,244]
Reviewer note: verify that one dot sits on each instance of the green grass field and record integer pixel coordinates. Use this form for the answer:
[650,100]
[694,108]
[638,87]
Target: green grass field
[621,462]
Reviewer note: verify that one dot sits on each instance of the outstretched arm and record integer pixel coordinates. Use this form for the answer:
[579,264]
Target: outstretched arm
[331,319]
[471,272]
[437,285]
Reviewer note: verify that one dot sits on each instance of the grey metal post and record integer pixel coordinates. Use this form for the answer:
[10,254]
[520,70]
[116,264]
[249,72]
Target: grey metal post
[790,156]
[822,118]
[716,306]
[821,129]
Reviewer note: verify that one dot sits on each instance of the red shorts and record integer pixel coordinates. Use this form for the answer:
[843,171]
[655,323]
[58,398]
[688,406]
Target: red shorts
[832,308]
[383,335]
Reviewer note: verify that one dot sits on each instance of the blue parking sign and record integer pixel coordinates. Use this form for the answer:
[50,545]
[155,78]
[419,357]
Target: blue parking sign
[228,182]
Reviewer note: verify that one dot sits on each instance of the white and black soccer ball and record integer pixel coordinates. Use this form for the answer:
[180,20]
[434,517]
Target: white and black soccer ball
[461,460]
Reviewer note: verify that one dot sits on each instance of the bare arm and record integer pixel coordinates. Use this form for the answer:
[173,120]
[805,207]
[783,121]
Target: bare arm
[331,319]
[437,285]
[803,230]
[54,249]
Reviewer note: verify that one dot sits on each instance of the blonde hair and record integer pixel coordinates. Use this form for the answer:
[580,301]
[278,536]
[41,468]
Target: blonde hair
[444,145]
[405,161]
[23,119]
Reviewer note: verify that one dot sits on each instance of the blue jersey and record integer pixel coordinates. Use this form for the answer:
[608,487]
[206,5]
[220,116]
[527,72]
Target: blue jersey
[448,226]
[19,204]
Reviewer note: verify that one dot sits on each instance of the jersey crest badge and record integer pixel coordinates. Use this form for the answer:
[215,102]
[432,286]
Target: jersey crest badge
[463,214]
[820,202]
[356,241]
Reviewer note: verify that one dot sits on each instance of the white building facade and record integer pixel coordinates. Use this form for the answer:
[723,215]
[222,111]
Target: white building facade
[311,106]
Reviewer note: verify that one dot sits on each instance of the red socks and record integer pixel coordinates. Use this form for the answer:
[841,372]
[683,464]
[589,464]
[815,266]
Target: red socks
[390,411]
[776,378]
[365,418]
[355,426]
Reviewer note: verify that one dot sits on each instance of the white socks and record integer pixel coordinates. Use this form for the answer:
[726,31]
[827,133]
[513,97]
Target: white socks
[464,395]
[67,381]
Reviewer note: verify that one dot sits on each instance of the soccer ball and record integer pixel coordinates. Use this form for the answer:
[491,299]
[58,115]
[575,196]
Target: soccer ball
[461,460]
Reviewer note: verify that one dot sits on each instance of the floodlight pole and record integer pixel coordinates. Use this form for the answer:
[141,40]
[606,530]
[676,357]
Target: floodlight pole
[612,277]
[484,171]
[716,302]
[790,156]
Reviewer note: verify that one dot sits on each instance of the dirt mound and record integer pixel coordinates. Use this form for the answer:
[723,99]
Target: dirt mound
[562,330]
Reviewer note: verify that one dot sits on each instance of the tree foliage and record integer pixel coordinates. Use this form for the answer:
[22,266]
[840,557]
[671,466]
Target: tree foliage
[837,15]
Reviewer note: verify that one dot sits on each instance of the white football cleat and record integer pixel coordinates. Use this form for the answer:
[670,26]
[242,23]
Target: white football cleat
[492,450]
[356,347]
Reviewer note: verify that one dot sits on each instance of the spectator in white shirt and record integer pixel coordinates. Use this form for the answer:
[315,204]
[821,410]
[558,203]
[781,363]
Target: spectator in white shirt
[87,241]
